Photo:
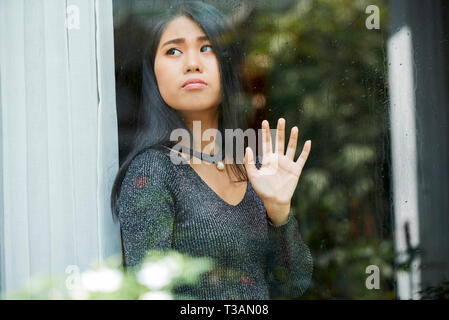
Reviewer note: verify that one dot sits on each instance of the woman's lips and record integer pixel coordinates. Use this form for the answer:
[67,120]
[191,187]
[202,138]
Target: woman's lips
[195,85]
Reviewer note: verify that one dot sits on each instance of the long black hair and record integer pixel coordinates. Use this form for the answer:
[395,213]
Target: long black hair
[156,119]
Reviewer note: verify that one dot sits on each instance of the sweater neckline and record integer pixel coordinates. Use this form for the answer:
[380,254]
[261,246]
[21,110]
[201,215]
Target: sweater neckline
[209,189]
[206,186]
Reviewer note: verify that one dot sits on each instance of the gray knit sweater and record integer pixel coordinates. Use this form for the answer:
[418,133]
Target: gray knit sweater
[167,206]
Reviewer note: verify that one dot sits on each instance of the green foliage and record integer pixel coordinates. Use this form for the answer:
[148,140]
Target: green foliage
[319,67]
[440,291]
[157,277]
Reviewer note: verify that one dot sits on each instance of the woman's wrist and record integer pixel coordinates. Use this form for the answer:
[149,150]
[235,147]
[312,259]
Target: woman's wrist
[277,214]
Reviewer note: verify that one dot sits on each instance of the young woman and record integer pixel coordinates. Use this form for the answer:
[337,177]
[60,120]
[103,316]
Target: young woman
[240,217]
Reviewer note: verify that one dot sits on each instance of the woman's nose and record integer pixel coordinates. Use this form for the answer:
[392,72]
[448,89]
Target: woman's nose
[190,68]
[193,63]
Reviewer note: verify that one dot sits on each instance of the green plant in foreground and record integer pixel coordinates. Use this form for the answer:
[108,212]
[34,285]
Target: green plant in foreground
[440,291]
[156,278]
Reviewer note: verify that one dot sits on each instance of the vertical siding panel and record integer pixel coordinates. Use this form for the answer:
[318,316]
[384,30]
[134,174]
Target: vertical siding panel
[37,137]
[107,129]
[16,249]
[59,138]
[84,104]
[61,185]
[2,215]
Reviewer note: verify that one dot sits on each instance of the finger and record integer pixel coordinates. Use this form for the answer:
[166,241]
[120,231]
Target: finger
[292,143]
[280,136]
[304,155]
[249,163]
[266,138]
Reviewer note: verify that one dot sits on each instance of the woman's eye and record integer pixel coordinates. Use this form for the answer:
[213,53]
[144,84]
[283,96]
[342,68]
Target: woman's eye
[172,49]
[207,46]
[168,52]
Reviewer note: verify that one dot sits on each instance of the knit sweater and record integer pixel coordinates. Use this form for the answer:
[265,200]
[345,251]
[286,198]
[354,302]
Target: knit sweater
[167,206]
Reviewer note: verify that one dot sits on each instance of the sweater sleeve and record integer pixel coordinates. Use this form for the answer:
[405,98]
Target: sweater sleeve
[146,207]
[290,263]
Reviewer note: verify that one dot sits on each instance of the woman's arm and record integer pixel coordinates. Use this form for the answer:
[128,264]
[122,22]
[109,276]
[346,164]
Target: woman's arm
[146,207]
[290,263]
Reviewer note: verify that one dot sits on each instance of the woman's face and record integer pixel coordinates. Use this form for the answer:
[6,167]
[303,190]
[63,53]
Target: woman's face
[189,56]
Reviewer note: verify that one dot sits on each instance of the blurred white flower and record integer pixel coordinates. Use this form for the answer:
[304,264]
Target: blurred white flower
[79,293]
[156,295]
[104,280]
[173,265]
[154,275]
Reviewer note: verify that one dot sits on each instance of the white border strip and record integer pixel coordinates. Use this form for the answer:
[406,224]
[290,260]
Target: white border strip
[404,155]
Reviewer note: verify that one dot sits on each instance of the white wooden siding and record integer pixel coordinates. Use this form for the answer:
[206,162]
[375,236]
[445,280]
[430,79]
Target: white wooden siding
[59,144]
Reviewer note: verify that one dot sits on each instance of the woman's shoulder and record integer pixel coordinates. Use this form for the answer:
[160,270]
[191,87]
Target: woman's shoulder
[151,162]
[151,155]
